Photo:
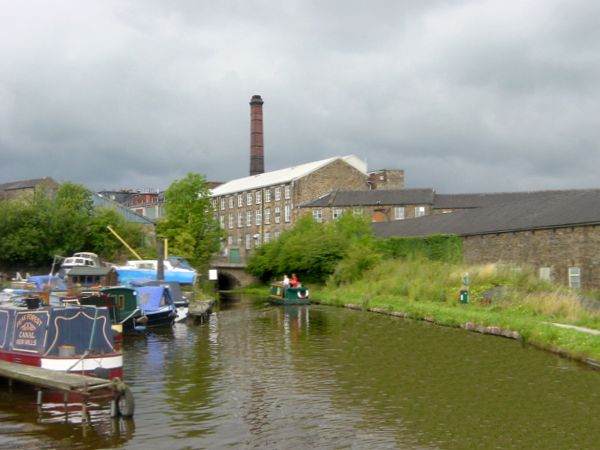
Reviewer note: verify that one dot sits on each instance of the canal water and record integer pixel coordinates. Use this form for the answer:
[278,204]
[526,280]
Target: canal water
[264,377]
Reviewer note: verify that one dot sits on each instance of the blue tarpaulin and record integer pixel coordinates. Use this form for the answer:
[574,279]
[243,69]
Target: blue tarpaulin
[151,298]
[54,282]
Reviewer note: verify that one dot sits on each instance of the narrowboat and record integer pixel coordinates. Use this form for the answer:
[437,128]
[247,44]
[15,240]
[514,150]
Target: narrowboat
[179,299]
[69,338]
[120,301]
[282,295]
[141,307]
[156,305]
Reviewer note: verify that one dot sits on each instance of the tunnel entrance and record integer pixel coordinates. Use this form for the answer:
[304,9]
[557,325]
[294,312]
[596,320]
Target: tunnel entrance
[227,281]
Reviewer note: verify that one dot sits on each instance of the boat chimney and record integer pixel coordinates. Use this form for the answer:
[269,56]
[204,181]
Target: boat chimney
[257,157]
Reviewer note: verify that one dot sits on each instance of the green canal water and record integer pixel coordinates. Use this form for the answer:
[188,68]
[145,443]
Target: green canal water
[262,377]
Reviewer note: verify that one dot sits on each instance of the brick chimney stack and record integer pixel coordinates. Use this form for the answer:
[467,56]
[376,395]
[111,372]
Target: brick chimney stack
[257,157]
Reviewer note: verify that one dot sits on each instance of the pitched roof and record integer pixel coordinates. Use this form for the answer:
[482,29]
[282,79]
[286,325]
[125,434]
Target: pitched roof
[130,216]
[549,209]
[24,184]
[283,175]
[374,197]
[480,200]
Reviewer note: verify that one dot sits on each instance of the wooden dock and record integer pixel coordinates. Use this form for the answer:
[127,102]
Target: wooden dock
[200,310]
[87,388]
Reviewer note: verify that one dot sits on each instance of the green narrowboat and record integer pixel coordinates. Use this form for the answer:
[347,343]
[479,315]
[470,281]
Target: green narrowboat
[125,310]
[281,295]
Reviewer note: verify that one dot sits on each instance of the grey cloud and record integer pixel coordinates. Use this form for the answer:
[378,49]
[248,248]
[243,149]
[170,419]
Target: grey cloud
[131,94]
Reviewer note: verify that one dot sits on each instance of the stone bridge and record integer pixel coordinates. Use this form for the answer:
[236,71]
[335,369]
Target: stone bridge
[232,275]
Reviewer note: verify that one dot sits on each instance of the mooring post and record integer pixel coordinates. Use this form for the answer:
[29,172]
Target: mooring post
[160,259]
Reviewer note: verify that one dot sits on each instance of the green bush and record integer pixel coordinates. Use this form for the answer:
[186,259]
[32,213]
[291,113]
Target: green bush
[447,248]
[313,250]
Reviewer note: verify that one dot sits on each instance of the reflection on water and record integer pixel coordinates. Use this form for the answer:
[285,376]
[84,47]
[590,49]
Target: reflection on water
[261,376]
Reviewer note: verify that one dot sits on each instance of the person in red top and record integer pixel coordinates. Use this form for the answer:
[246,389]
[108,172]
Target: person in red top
[294,281]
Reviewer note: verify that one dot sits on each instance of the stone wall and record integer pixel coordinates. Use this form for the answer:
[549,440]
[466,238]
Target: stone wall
[387,179]
[339,175]
[557,249]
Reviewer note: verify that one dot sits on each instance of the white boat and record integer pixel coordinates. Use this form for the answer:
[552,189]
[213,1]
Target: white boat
[81,259]
[145,269]
[84,268]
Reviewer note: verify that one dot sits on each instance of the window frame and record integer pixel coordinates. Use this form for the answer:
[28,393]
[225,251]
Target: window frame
[574,273]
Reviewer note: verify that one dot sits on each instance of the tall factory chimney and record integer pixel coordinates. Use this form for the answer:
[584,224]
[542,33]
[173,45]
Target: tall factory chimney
[257,156]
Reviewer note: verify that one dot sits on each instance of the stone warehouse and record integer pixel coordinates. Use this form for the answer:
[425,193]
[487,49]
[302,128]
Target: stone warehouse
[555,232]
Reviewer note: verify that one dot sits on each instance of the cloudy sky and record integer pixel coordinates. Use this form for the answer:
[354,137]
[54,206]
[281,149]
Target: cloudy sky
[465,96]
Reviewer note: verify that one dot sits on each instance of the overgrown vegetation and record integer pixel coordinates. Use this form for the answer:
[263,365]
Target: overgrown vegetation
[436,247]
[34,230]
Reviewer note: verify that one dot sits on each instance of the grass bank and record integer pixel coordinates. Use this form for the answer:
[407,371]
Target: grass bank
[503,300]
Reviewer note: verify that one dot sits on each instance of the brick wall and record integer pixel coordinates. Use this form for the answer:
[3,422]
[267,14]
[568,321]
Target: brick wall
[558,249]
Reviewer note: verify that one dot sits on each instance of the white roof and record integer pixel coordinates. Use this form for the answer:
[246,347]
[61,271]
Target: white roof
[283,175]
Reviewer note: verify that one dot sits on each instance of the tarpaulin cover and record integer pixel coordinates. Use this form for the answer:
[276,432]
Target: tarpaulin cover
[152,298]
[54,282]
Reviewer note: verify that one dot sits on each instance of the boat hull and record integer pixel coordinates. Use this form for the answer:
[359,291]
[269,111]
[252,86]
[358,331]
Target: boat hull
[107,366]
[155,319]
[127,275]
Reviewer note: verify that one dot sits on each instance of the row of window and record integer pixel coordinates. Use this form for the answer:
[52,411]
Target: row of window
[252,240]
[574,274]
[256,217]
[336,213]
[399,213]
[255,197]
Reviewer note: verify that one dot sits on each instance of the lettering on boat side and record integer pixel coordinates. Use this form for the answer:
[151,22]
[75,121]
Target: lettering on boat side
[30,331]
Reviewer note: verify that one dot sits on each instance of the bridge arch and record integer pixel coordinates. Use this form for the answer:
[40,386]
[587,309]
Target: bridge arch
[229,277]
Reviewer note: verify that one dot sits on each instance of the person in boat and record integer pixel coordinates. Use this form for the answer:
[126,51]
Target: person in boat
[286,281]
[294,282]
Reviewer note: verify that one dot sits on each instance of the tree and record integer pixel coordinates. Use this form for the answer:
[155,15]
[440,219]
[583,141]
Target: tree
[65,218]
[189,225]
[315,251]
[33,231]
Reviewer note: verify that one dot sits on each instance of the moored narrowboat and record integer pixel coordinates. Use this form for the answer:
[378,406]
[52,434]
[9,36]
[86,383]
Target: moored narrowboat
[286,295]
[71,338]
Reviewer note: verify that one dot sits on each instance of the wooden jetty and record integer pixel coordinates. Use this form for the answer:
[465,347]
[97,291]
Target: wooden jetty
[200,310]
[84,387]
